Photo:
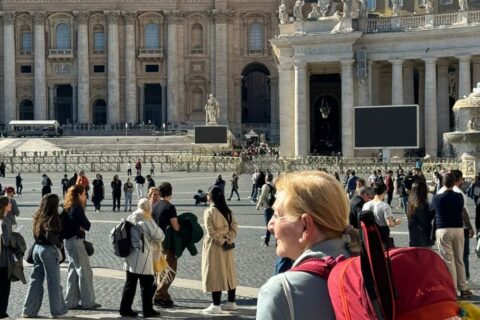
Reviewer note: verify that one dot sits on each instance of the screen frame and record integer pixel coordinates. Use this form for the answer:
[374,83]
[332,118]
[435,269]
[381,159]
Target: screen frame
[417,146]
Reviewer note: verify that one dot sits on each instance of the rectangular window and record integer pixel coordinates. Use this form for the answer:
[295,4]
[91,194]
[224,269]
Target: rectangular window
[27,41]
[99,41]
[99,68]
[152,68]
[446,2]
[26,69]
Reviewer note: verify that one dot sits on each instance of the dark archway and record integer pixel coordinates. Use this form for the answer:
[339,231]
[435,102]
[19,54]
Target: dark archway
[26,110]
[325,114]
[99,112]
[256,97]
[64,104]
[152,109]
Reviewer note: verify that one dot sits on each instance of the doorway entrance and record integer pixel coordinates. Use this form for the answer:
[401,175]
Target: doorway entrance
[64,104]
[325,111]
[26,110]
[256,97]
[152,109]
[100,112]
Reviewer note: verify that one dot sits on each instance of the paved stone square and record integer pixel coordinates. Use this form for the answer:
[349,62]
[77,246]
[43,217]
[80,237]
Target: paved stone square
[255,263]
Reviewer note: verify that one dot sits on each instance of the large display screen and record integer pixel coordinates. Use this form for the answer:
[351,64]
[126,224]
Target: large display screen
[386,127]
[210,134]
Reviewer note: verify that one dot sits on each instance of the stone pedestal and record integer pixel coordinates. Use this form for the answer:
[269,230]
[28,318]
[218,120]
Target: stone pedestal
[210,134]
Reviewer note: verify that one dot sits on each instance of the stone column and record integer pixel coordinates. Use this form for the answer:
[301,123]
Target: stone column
[301,110]
[476,71]
[443,101]
[51,96]
[130,72]
[274,120]
[221,63]
[408,83]
[347,108]
[363,89]
[431,129]
[113,109]
[75,110]
[172,77]
[464,82]
[164,104]
[286,109]
[40,87]
[83,73]
[375,83]
[10,92]
[397,81]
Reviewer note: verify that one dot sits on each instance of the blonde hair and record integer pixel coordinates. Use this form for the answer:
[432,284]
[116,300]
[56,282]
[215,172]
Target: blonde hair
[322,197]
[145,205]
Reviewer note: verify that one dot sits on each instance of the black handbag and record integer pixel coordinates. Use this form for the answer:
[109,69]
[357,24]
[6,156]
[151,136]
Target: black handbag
[89,247]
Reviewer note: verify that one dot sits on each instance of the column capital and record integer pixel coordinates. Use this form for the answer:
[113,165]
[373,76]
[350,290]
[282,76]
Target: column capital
[129,16]
[347,62]
[396,62]
[8,17]
[221,16]
[300,65]
[112,16]
[174,16]
[81,16]
[464,58]
[39,17]
[431,60]
[284,66]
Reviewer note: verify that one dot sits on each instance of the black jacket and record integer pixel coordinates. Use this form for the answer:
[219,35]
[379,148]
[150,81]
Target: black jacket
[356,205]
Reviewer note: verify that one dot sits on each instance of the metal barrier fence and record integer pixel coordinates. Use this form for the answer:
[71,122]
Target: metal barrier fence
[189,162]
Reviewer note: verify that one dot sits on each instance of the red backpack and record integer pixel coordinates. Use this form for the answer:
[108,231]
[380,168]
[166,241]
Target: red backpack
[396,284]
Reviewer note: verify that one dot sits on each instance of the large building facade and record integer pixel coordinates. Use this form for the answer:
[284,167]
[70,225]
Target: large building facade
[420,52]
[139,61]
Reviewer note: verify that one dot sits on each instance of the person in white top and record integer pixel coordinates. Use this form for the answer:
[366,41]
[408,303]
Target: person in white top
[382,212]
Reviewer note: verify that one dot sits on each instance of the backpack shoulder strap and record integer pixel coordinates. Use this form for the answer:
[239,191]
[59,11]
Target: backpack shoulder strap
[320,267]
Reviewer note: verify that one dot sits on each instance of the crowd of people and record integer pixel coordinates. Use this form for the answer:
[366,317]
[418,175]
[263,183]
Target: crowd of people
[310,214]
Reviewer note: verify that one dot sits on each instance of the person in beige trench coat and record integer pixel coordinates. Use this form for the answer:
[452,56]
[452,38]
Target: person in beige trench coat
[218,262]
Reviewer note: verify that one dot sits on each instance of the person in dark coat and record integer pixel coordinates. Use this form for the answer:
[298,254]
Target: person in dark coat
[220,183]
[116,185]
[98,192]
[419,216]
[365,194]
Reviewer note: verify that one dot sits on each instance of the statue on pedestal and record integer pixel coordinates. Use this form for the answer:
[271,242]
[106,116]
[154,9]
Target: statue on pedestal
[212,110]
[396,7]
[314,14]
[463,4]
[298,10]
[282,13]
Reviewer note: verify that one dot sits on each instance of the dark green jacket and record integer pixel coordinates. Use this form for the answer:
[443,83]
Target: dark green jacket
[190,233]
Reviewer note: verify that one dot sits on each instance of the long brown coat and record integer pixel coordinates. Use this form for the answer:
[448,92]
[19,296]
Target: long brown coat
[218,265]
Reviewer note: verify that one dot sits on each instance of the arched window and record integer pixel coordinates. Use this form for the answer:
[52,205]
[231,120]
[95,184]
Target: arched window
[151,36]
[197,99]
[98,38]
[197,37]
[255,41]
[62,34]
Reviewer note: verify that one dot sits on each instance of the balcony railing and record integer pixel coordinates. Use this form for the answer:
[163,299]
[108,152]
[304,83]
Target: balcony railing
[60,54]
[24,52]
[150,54]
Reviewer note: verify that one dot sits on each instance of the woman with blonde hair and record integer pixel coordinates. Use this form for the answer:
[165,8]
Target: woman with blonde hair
[47,228]
[310,221]
[139,263]
[80,275]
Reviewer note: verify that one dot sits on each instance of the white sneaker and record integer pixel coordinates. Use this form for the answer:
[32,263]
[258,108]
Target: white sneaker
[213,309]
[230,306]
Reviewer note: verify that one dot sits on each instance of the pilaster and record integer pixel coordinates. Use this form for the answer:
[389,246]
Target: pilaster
[464,82]
[130,72]
[173,18]
[408,83]
[443,101]
[40,112]
[113,109]
[221,63]
[10,90]
[301,106]
[83,73]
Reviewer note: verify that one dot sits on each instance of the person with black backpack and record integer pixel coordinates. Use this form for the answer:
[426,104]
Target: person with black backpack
[266,199]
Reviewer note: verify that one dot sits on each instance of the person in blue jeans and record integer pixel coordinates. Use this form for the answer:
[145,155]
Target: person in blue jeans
[46,231]
[268,210]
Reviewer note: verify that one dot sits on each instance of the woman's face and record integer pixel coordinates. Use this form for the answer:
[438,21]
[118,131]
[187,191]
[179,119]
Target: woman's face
[287,232]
